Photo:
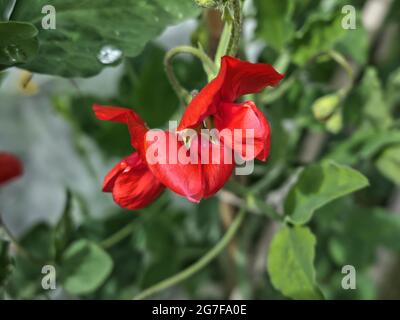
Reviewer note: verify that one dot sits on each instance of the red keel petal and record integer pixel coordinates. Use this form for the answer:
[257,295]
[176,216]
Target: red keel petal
[132,184]
[245,116]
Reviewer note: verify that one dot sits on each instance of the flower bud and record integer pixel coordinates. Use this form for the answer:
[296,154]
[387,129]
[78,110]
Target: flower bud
[335,122]
[207,3]
[325,106]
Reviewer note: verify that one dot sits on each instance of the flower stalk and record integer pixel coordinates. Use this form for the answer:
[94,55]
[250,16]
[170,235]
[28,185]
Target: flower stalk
[200,264]
[236,32]
[183,94]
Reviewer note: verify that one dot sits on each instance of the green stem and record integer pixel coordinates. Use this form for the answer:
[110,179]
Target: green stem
[118,236]
[200,264]
[182,93]
[233,45]
[341,60]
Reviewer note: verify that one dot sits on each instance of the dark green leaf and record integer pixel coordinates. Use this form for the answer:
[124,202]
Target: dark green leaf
[319,184]
[291,263]
[388,163]
[85,30]
[39,242]
[146,89]
[85,267]
[274,22]
[320,34]
[18,43]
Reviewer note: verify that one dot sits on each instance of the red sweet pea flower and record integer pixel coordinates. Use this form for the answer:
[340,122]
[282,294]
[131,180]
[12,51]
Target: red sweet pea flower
[131,183]
[235,79]
[10,167]
[215,105]
[139,179]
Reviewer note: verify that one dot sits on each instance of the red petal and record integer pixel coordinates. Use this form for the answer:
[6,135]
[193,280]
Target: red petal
[216,173]
[10,167]
[191,180]
[132,184]
[245,116]
[184,179]
[235,79]
[137,127]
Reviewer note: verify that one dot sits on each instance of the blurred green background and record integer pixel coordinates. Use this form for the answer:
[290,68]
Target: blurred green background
[340,100]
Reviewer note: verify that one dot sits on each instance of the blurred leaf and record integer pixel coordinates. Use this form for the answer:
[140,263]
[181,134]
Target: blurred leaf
[393,88]
[376,141]
[146,89]
[5,262]
[355,44]
[39,242]
[354,233]
[83,29]
[291,263]
[18,43]
[275,24]
[388,163]
[64,227]
[376,110]
[319,184]
[25,279]
[319,34]
[375,227]
[85,267]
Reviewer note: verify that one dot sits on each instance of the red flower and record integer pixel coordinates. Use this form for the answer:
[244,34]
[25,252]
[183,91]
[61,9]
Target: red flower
[215,105]
[131,183]
[235,79]
[10,167]
[138,179]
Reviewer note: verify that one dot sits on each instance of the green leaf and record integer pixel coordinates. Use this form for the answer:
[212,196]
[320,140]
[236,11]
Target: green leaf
[319,184]
[356,44]
[39,242]
[376,141]
[320,33]
[376,110]
[85,267]
[83,29]
[18,43]
[393,88]
[274,22]
[388,163]
[291,263]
